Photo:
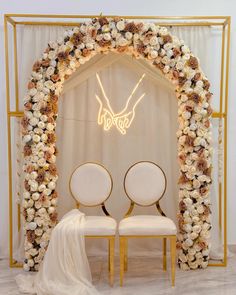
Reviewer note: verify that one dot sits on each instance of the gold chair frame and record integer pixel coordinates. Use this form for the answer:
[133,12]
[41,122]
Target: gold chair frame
[110,238]
[124,238]
[12,21]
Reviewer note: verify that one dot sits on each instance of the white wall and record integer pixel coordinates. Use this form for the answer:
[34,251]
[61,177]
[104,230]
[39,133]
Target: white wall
[131,7]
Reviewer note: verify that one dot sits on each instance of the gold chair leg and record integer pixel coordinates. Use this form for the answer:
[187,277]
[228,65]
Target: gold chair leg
[109,254]
[173,258]
[122,256]
[126,254]
[111,259]
[164,254]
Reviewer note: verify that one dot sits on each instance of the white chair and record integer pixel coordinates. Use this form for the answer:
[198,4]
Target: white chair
[145,185]
[91,185]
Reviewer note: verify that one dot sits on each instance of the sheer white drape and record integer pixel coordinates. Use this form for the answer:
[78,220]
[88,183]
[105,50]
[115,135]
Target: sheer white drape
[150,137]
[65,268]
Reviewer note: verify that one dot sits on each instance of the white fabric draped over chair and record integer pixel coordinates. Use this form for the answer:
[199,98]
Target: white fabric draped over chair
[150,137]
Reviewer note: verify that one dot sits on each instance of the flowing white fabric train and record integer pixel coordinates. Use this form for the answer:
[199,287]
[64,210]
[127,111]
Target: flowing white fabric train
[65,268]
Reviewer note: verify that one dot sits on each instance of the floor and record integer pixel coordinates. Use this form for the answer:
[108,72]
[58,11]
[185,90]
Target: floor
[145,276]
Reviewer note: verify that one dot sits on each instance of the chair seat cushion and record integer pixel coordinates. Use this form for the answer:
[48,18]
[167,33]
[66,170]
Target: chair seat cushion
[99,226]
[145,225]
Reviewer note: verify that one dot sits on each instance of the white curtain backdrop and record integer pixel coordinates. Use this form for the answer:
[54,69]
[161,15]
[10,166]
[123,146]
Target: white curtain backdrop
[150,137]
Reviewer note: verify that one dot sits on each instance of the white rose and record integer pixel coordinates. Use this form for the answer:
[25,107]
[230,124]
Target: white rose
[42,211]
[182,257]
[26,195]
[26,267]
[50,71]
[165,60]
[47,192]
[52,159]
[35,196]
[44,137]
[41,124]
[51,185]
[38,205]
[188,242]
[166,69]
[32,226]
[33,175]
[38,232]
[49,84]
[107,36]
[192,251]
[162,52]
[41,154]
[193,236]
[153,41]
[168,47]
[179,65]
[169,53]
[195,219]
[153,54]
[196,183]
[186,115]
[197,228]
[185,49]
[42,187]
[188,227]
[30,262]
[128,35]
[204,264]
[28,245]
[30,211]
[33,186]
[43,244]
[184,266]
[36,138]
[190,257]
[205,252]
[120,25]
[51,210]
[30,203]
[163,31]
[193,265]
[39,221]
[188,201]
[122,42]
[54,201]
[26,138]
[32,91]
[37,114]
[33,252]
[41,162]
[44,118]
[50,127]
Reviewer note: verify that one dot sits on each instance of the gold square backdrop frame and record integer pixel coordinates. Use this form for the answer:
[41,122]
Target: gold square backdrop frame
[15,20]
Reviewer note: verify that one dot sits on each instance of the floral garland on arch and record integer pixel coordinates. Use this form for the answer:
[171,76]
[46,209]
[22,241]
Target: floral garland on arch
[175,60]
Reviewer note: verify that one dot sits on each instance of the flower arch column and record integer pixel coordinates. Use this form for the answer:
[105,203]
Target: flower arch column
[177,63]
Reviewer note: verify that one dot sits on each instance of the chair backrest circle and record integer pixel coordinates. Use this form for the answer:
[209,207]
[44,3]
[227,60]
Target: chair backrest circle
[91,184]
[145,183]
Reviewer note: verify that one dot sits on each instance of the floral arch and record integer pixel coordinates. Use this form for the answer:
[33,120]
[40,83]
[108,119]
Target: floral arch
[177,63]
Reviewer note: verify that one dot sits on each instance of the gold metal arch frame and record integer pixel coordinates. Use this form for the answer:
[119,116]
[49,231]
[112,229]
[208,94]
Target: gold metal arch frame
[13,21]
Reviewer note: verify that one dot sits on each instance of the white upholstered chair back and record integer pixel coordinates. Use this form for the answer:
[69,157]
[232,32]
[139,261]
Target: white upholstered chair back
[145,183]
[91,184]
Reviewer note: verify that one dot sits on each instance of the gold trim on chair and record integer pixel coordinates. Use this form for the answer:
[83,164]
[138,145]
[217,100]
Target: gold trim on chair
[110,238]
[128,172]
[95,163]
[123,239]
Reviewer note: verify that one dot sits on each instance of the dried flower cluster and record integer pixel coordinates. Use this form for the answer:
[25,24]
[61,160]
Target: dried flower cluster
[168,54]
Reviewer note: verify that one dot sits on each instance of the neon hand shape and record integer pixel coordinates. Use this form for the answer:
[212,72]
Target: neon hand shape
[121,120]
